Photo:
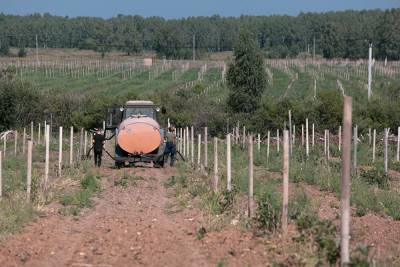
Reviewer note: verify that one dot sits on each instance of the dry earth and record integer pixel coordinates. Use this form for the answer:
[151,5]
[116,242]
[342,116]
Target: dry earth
[141,226]
[129,226]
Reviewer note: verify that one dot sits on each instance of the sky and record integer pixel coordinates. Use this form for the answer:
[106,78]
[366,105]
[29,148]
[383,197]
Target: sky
[186,8]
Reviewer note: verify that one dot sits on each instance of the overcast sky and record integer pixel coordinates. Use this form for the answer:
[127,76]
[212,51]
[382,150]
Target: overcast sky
[186,8]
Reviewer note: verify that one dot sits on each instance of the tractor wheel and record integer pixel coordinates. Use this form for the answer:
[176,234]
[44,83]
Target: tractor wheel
[119,164]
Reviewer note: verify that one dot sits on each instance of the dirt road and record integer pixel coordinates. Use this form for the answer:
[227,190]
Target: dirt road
[129,226]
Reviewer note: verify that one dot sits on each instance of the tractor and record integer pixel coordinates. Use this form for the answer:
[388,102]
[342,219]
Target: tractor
[138,135]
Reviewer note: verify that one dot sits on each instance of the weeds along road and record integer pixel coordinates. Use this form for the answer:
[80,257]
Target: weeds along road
[130,224]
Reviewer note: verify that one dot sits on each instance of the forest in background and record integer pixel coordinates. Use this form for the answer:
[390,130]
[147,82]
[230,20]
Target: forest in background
[344,34]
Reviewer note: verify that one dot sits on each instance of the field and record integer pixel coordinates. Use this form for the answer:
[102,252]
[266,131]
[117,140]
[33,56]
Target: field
[211,220]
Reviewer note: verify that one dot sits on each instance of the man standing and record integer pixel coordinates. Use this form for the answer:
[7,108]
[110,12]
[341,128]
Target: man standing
[170,146]
[98,143]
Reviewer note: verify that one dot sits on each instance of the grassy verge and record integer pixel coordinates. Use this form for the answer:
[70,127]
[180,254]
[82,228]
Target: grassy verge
[128,179]
[73,202]
[369,186]
[317,240]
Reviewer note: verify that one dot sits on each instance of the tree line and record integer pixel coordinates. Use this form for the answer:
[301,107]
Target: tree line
[345,34]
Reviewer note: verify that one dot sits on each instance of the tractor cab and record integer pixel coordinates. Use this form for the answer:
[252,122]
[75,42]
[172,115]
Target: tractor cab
[139,109]
[132,108]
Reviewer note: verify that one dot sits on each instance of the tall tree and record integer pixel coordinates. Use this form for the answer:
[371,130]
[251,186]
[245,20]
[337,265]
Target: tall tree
[246,75]
[389,35]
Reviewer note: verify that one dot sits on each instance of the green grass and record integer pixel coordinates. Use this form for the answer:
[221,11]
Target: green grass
[128,179]
[370,190]
[110,85]
[14,213]
[75,201]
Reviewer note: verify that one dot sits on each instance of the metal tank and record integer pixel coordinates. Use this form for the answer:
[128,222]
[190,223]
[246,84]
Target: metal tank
[138,135]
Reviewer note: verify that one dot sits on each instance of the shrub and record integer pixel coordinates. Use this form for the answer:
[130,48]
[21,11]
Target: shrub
[322,234]
[90,182]
[22,52]
[375,176]
[299,205]
[127,179]
[75,201]
[219,202]
[268,213]
[359,257]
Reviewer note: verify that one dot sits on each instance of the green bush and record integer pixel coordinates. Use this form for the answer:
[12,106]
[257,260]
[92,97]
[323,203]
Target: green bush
[299,205]
[22,52]
[359,257]
[90,182]
[268,213]
[323,234]
[127,179]
[74,202]
[14,212]
[219,202]
[375,176]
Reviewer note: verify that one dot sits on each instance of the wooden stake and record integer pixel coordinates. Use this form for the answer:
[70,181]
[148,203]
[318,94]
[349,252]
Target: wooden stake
[1,175]
[250,182]
[325,144]
[290,132]
[181,140]
[39,134]
[345,183]
[192,144]
[4,145]
[47,159]
[188,142]
[60,150]
[199,151]
[277,140]
[355,141]
[258,142]
[81,143]
[215,164]
[398,144]
[15,142]
[386,150]
[340,138]
[373,146]
[307,142]
[184,142]
[205,148]
[328,144]
[85,145]
[228,163]
[71,147]
[268,141]
[32,131]
[23,141]
[285,170]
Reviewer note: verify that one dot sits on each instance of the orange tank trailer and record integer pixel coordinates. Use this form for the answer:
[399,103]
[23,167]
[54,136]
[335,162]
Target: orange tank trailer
[139,135]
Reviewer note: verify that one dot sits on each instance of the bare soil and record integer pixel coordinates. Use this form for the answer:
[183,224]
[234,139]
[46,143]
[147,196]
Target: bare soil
[380,233]
[143,225]
[129,226]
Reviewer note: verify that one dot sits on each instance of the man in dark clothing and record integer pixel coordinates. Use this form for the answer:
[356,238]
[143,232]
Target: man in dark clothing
[170,146]
[98,143]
